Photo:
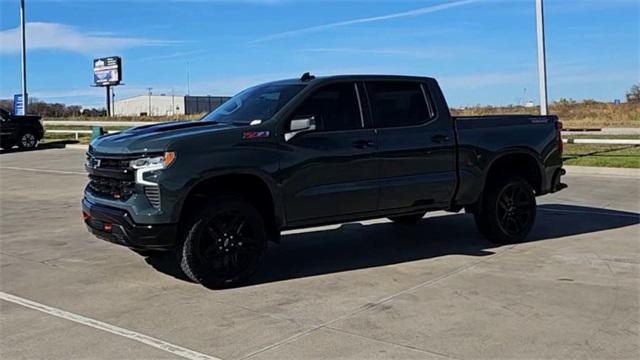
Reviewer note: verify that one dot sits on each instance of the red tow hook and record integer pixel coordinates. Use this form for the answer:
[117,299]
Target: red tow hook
[85,216]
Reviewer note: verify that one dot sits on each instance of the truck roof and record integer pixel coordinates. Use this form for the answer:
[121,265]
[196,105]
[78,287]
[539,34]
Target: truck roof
[348,77]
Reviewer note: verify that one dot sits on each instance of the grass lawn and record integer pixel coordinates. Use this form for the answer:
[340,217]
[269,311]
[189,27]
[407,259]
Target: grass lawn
[626,156]
[601,136]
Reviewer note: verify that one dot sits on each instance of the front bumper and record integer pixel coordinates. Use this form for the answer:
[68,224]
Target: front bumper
[116,226]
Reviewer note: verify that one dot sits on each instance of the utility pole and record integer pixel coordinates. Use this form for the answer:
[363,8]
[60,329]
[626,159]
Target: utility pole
[542,58]
[25,101]
[188,79]
[149,89]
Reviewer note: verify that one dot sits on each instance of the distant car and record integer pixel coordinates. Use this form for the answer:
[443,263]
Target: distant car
[25,131]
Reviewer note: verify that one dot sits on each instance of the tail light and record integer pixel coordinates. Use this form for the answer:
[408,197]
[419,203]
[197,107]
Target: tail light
[559,131]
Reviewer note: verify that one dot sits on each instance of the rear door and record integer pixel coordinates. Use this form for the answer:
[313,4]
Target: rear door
[331,172]
[417,147]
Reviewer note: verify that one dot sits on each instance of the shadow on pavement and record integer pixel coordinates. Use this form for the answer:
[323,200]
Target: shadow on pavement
[42,146]
[356,246]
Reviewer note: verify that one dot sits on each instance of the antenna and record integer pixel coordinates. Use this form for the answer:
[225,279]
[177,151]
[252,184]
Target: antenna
[307,77]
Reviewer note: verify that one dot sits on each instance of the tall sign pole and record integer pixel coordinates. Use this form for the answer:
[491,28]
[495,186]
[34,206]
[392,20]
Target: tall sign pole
[108,100]
[25,101]
[542,59]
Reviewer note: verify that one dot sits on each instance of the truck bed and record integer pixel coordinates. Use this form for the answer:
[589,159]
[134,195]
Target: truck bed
[482,139]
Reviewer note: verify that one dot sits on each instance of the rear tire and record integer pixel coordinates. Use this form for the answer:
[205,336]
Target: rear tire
[407,219]
[28,140]
[225,243]
[507,212]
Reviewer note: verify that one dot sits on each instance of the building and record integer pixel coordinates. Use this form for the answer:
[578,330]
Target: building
[166,105]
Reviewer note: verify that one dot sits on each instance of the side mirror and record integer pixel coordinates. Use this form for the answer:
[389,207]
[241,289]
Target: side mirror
[299,126]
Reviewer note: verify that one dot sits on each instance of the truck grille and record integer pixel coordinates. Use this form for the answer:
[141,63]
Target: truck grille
[111,187]
[110,177]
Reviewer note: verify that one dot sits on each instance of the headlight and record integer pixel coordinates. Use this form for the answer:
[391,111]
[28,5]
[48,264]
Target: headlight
[155,162]
[149,164]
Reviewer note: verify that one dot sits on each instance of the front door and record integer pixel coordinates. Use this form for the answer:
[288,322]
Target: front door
[332,171]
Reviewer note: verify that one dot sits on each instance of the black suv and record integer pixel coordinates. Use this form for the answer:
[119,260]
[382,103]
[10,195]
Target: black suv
[312,151]
[24,131]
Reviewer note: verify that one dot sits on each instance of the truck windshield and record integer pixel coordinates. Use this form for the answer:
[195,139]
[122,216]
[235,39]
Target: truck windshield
[257,103]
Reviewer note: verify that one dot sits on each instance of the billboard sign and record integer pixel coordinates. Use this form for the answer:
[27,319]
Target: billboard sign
[18,105]
[107,71]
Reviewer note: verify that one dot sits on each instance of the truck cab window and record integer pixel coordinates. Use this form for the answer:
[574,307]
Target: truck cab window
[397,103]
[335,108]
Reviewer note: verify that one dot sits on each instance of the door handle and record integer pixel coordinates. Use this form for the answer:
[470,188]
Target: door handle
[362,144]
[439,138]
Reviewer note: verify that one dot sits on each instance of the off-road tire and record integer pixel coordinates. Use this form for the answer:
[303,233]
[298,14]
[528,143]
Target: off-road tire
[214,245]
[503,220]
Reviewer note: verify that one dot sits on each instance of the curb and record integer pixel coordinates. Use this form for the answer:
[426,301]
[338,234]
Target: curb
[77,147]
[601,171]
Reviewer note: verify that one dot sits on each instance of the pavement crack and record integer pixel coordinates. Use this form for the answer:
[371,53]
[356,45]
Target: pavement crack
[430,352]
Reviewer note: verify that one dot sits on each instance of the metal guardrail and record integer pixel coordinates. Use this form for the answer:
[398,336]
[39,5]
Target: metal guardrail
[76,132]
[97,123]
[603,141]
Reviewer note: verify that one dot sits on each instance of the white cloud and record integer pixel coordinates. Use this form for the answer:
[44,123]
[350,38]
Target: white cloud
[43,35]
[415,12]
[431,53]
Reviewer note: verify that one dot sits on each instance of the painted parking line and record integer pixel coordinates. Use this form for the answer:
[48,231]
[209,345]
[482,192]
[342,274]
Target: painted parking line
[129,334]
[601,213]
[43,170]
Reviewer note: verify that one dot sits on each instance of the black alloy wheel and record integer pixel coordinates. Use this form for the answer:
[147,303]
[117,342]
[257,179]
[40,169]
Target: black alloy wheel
[507,212]
[225,244]
[515,210]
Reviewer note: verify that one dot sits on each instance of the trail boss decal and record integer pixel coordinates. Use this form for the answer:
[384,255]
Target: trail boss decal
[255,134]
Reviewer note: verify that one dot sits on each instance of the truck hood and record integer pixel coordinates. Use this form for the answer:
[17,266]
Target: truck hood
[154,138]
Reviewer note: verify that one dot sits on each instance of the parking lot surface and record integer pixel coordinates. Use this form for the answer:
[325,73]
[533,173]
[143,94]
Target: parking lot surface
[369,290]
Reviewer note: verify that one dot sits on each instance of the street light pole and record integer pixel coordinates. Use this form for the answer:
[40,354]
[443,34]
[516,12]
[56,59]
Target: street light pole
[149,89]
[25,101]
[542,59]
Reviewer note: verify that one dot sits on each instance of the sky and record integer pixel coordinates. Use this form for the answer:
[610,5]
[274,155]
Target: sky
[481,51]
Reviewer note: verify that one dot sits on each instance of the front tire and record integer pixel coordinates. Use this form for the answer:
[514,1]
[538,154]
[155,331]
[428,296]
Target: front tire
[225,243]
[507,212]
[28,141]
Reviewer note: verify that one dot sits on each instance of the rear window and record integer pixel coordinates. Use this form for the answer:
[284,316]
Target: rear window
[398,103]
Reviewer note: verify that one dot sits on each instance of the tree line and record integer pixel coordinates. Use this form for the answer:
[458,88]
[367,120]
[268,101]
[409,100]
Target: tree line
[46,109]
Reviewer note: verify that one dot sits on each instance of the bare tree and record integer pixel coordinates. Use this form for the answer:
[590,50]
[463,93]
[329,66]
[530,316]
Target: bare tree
[633,96]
